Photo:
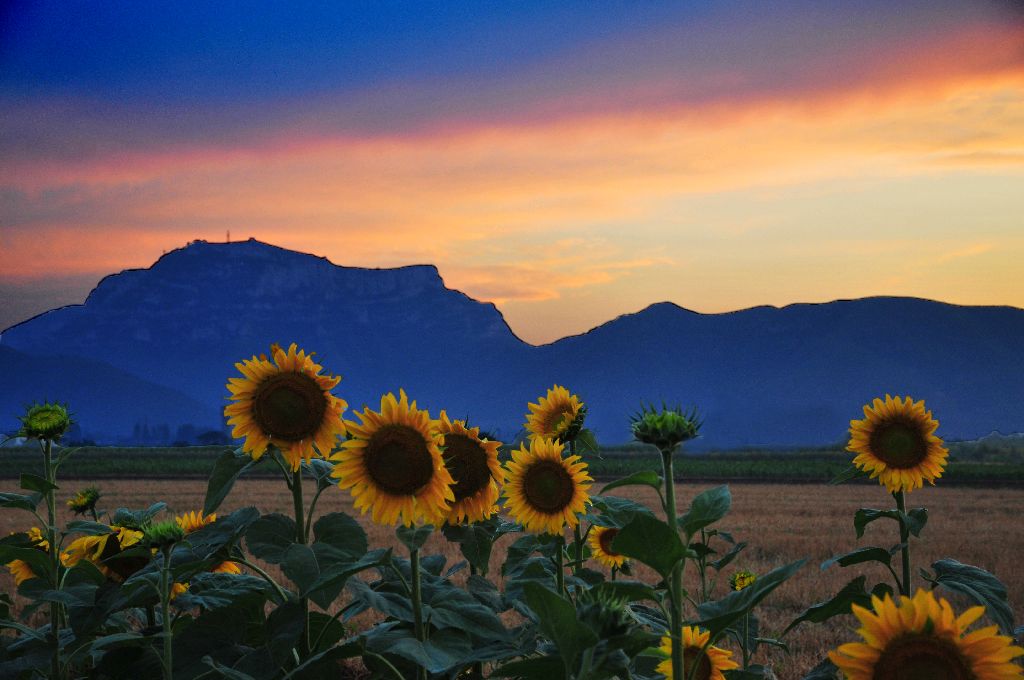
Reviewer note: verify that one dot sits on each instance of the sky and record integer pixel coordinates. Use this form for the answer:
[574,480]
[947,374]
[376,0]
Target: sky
[569,162]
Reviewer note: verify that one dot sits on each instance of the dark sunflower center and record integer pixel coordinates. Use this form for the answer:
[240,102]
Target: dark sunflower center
[921,657]
[899,444]
[605,540]
[466,461]
[548,487]
[398,460]
[289,406]
[704,666]
[556,418]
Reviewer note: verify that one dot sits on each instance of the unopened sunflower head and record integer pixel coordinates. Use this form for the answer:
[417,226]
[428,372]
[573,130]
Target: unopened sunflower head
[85,500]
[45,421]
[603,611]
[163,535]
[742,579]
[665,428]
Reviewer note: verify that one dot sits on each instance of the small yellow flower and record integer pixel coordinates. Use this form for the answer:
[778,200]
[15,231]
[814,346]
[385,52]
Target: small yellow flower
[559,415]
[194,521]
[600,541]
[742,579]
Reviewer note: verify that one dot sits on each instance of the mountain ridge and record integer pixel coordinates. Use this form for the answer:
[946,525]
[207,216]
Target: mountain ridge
[764,375]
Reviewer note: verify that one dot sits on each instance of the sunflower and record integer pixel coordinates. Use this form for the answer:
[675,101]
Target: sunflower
[100,548]
[545,491]
[600,541]
[742,579]
[20,569]
[896,443]
[559,415]
[392,464]
[287,403]
[85,500]
[474,467]
[711,664]
[194,521]
[922,638]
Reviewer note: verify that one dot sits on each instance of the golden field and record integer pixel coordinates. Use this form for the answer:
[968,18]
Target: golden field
[781,523]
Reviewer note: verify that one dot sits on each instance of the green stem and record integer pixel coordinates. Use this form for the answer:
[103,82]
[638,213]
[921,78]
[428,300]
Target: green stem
[676,592]
[165,613]
[312,506]
[560,565]
[417,605]
[300,538]
[246,563]
[901,505]
[54,552]
[577,544]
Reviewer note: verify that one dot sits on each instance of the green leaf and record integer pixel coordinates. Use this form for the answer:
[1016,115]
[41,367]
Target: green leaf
[825,670]
[852,593]
[31,482]
[341,532]
[586,443]
[980,586]
[329,629]
[284,628]
[137,518]
[557,621]
[334,575]
[614,511]
[706,509]
[640,478]
[753,672]
[631,591]
[728,557]
[20,501]
[223,671]
[270,536]
[915,519]
[476,540]
[444,650]
[89,528]
[415,536]
[650,541]
[861,555]
[389,604]
[226,471]
[211,591]
[299,564]
[537,668]
[718,615]
[321,471]
[852,472]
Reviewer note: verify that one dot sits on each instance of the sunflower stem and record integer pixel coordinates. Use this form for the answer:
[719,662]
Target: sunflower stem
[676,591]
[165,613]
[417,605]
[51,538]
[901,505]
[560,565]
[577,535]
[300,538]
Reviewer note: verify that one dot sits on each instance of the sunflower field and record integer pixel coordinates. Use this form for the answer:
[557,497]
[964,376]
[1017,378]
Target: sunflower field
[591,587]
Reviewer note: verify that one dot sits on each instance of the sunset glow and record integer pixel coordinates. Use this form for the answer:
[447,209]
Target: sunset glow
[717,159]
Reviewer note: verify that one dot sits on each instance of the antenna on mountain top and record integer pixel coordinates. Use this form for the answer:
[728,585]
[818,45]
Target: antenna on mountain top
[229,236]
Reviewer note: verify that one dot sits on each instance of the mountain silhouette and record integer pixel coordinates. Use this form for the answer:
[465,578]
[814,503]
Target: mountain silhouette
[157,345]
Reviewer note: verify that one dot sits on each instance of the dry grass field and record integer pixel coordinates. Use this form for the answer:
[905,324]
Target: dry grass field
[780,522]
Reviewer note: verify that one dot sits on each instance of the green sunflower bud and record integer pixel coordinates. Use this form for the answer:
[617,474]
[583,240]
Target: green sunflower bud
[603,611]
[45,421]
[574,428]
[163,534]
[85,500]
[666,428]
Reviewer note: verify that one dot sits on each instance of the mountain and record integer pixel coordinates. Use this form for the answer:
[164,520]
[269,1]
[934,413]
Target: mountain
[763,376]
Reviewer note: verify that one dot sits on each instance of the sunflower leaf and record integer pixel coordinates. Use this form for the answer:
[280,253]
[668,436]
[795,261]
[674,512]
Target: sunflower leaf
[980,586]
[31,482]
[341,532]
[706,509]
[270,536]
[651,541]
[914,520]
[728,557]
[852,593]
[558,622]
[825,670]
[226,471]
[640,478]
[20,501]
[859,556]
[852,472]
[536,668]
[415,536]
[718,615]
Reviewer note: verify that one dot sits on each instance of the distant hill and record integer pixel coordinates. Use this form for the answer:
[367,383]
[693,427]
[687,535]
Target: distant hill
[764,376]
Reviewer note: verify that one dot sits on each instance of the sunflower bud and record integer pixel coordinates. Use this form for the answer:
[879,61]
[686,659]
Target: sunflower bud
[666,428]
[163,534]
[85,500]
[604,612]
[742,579]
[45,421]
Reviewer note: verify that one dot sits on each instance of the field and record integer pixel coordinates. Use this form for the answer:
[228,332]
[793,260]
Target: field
[970,464]
[781,522]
